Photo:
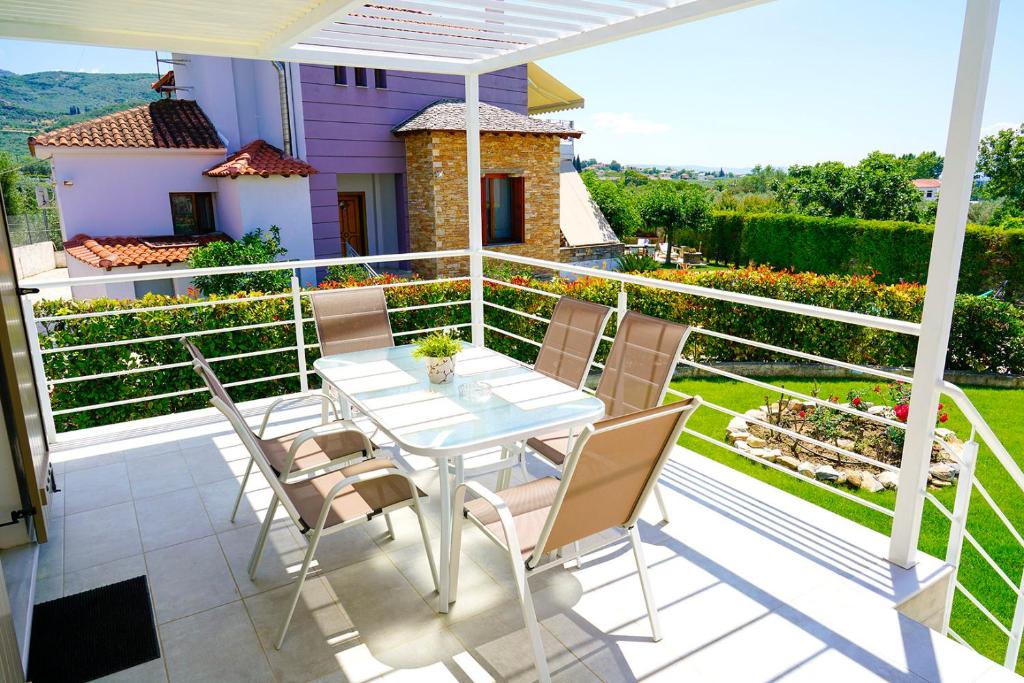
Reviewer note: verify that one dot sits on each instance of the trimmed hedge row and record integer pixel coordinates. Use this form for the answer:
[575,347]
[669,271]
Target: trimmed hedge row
[893,251]
[987,335]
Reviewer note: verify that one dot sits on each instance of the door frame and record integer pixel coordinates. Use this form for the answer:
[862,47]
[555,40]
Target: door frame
[361,199]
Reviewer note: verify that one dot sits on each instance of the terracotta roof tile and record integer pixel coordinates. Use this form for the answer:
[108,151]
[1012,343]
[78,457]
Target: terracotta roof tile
[926,183]
[164,124]
[262,159]
[112,252]
[451,115]
[165,81]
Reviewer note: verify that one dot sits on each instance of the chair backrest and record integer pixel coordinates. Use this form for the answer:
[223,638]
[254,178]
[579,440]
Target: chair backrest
[354,319]
[640,363]
[610,472]
[571,340]
[212,382]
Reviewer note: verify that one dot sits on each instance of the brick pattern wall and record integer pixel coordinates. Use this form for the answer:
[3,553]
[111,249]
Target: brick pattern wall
[438,206]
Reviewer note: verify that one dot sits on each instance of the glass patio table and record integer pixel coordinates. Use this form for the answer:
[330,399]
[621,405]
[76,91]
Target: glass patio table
[448,421]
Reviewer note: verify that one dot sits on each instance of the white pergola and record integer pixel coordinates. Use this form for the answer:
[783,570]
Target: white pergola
[471,37]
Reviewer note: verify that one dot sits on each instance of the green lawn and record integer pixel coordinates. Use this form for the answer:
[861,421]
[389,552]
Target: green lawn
[1004,411]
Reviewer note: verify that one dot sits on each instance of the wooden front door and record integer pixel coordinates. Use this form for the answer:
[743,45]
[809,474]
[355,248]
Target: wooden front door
[352,219]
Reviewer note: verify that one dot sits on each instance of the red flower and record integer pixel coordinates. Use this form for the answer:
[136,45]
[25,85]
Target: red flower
[943,417]
[877,389]
[856,400]
[941,406]
[901,410]
[803,414]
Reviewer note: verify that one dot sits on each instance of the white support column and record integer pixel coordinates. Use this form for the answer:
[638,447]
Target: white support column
[476,260]
[39,370]
[300,337]
[943,270]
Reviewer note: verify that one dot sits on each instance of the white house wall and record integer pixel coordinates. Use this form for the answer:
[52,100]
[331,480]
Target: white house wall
[120,290]
[125,192]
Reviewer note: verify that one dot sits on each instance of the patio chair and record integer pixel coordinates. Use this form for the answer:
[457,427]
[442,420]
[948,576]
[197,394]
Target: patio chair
[608,475]
[322,501]
[352,319]
[636,375]
[566,354]
[320,449]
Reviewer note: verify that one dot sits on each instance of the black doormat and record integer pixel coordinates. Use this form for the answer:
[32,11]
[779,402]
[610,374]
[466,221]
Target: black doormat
[92,634]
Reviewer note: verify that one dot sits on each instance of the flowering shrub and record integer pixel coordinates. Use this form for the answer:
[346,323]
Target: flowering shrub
[987,335]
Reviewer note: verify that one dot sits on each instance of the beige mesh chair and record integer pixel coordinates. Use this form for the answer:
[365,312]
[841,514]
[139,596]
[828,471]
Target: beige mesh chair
[354,319]
[568,350]
[329,446]
[608,475]
[321,500]
[636,375]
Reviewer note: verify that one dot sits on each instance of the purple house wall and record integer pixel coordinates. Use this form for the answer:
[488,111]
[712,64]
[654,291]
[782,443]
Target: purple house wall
[348,130]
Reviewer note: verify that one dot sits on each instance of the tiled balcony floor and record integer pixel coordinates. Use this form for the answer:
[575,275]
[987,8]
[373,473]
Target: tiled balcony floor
[752,584]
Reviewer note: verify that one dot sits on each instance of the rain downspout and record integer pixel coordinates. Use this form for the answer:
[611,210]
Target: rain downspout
[286,117]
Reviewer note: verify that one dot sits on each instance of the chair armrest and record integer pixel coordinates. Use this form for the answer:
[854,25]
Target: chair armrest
[508,525]
[322,397]
[358,479]
[336,427]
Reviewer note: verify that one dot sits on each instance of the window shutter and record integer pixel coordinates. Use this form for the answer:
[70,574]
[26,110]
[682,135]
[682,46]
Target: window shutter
[519,207]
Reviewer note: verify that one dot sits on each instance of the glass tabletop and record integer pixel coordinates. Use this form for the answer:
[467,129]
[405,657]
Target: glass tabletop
[391,388]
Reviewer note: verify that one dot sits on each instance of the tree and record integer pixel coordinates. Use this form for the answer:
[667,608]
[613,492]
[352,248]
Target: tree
[254,247]
[1001,159]
[631,178]
[10,186]
[615,166]
[616,203]
[673,207]
[923,165]
[884,190]
[824,189]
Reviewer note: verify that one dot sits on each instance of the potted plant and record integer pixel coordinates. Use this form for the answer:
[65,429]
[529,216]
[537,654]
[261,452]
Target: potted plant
[439,348]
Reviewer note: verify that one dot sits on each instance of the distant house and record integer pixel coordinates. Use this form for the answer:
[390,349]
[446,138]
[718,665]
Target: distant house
[928,187]
[340,158]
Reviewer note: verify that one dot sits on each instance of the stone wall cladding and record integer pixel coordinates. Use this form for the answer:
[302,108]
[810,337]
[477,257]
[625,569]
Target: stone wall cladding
[438,206]
[591,252]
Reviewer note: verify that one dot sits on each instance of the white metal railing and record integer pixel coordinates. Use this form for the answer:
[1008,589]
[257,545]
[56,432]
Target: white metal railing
[958,534]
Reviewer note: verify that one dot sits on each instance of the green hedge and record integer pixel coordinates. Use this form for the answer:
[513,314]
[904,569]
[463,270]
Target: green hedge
[894,251]
[987,335]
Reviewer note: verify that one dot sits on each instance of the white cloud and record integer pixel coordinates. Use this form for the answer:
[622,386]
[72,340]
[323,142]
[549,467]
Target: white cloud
[625,123]
[993,128]
[89,70]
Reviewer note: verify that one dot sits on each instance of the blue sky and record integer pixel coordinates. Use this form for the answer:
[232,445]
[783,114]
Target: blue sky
[791,81]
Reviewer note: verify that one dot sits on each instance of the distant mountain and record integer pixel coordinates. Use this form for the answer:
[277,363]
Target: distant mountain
[30,103]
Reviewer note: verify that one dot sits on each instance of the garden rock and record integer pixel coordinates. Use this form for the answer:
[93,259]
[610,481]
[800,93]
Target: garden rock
[732,437]
[756,442]
[737,424]
[944,471]
[756,413]
[805,468]
[855,478]
[876,410]
[846,444]
[888,479]
[869,483]
[826,473]
[789,461]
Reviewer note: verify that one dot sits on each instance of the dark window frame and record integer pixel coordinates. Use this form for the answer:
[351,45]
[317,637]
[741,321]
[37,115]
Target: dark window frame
[198,213]
[380,79]
[360,77]
[517,191]
[340,75]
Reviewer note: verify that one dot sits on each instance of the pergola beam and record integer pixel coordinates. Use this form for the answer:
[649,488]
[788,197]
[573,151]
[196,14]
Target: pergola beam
[320,17]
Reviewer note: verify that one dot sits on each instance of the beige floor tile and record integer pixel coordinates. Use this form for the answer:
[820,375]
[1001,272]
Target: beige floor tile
[216,645]
[78,460]
[209,466]
[188,578]
[342,548]
[169,518]
[282,556]
[95,487]
[100,536]
[318,632]
[51,553]
[49,589]
[104,574]
[219,498]
[150,672]
[155,474]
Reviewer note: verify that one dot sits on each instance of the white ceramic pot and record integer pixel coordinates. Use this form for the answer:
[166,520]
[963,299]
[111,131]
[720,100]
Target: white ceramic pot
[441,370]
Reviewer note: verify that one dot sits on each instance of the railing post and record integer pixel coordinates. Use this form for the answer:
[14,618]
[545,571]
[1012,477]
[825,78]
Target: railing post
[623,305]
[300,337]
[943,270]
[955,547]
[42,388]
[476,258]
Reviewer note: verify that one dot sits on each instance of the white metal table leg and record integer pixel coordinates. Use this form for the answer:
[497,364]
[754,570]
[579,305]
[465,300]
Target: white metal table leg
[443,589]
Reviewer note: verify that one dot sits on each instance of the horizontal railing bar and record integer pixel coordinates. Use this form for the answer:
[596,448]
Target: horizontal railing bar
[388,285]
[431,329]
[251,268]
[511,334]
[992,563]
[168,307]
[987,435]
[165,337]
[802,437]
[522,313]
[999,512]
[791,473]
[877,322]
[929,496]
[523,288]
[801,354]
[170,366]
[984,610]
[420,307]
[771,387]
[958,638]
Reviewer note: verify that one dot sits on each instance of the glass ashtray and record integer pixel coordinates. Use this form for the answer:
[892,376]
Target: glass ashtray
[477,392]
